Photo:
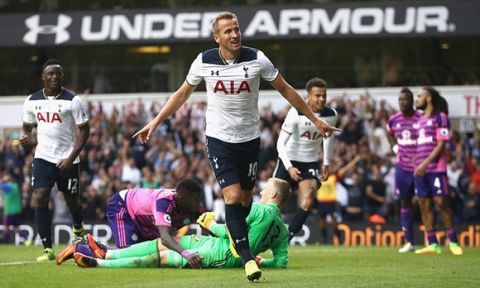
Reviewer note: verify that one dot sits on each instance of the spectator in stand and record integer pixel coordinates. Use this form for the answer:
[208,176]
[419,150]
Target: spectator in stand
[375,192]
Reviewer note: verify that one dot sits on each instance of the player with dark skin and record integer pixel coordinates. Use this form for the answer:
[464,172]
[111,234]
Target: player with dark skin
[52,77]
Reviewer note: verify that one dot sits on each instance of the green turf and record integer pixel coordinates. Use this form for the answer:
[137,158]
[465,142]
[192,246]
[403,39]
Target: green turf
[312,266]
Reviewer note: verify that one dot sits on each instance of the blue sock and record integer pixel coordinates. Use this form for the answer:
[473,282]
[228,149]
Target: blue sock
[432,237]
[407,224]
[452,234]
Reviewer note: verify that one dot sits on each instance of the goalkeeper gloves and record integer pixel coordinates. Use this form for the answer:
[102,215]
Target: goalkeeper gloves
[206,220]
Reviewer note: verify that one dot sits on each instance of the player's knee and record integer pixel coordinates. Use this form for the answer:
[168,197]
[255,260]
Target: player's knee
[40,200]
[306,204]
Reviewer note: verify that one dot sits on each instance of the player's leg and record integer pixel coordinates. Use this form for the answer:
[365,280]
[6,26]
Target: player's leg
[135,250]
[235,220]
[238,196]
[123,228]
[405,189]
[336,218]
[68,183]
[43,177]
[6,229]
[149,261]
[446,213]
[322,222]
[43,220]
[235,167]
[306,195]
[425,203]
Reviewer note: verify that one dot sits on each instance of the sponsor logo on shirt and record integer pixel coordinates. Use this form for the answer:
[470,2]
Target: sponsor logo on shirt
[422,138]
[406,139]
[231,87]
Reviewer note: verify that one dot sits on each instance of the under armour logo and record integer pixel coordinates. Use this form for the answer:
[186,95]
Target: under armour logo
[60,29]
[215,72]
[241,240]
[246,71]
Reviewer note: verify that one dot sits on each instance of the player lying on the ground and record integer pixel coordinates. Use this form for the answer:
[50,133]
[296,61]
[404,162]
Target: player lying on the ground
[267,231]
[139,214]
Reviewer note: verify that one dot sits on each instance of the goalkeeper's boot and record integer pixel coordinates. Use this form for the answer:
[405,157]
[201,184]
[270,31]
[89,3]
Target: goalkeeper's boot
[48,255]
[430,249]
[78,233]
[252,271]
[66,253]
[98,249]
[84,261]
[455,249]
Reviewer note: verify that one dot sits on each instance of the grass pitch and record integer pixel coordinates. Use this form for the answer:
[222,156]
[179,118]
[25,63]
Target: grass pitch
[311,266]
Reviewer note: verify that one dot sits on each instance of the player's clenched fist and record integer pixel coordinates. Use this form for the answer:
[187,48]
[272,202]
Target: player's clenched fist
[206,220]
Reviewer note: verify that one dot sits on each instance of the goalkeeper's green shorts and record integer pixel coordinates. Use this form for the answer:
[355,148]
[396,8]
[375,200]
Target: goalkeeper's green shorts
[215,252]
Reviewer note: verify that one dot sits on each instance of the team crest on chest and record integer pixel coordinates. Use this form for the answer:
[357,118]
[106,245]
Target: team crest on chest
[246,71]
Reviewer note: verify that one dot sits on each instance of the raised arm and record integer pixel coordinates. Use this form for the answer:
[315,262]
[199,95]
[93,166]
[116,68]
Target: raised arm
[296,100]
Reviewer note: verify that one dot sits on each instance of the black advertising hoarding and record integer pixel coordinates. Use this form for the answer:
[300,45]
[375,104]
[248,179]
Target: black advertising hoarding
[153,26]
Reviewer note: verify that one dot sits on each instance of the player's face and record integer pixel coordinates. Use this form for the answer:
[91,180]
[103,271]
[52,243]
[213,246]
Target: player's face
[405,103]
[52,77]
[228,35]
[317,97]
[189,205]
[421,102]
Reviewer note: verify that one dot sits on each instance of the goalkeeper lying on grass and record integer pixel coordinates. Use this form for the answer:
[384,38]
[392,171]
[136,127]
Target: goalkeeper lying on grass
[266,231]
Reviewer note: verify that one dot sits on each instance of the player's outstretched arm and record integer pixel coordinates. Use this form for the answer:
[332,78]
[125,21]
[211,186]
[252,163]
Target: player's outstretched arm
[296,100]
[173,104]
[193,259]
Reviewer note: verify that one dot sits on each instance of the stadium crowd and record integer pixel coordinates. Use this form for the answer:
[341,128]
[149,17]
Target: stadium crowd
[112,160]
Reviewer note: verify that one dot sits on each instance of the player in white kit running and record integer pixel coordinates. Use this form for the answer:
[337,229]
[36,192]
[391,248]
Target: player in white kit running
[298,147]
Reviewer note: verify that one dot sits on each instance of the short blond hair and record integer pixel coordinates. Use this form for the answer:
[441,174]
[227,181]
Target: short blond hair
[224,15]
[283,189]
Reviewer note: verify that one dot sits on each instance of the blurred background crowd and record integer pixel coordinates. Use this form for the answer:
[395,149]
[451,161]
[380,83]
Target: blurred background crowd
[112,160]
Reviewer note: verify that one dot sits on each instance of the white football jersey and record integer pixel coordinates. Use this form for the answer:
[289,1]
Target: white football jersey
[232,92]
[56,120]
[305,140]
